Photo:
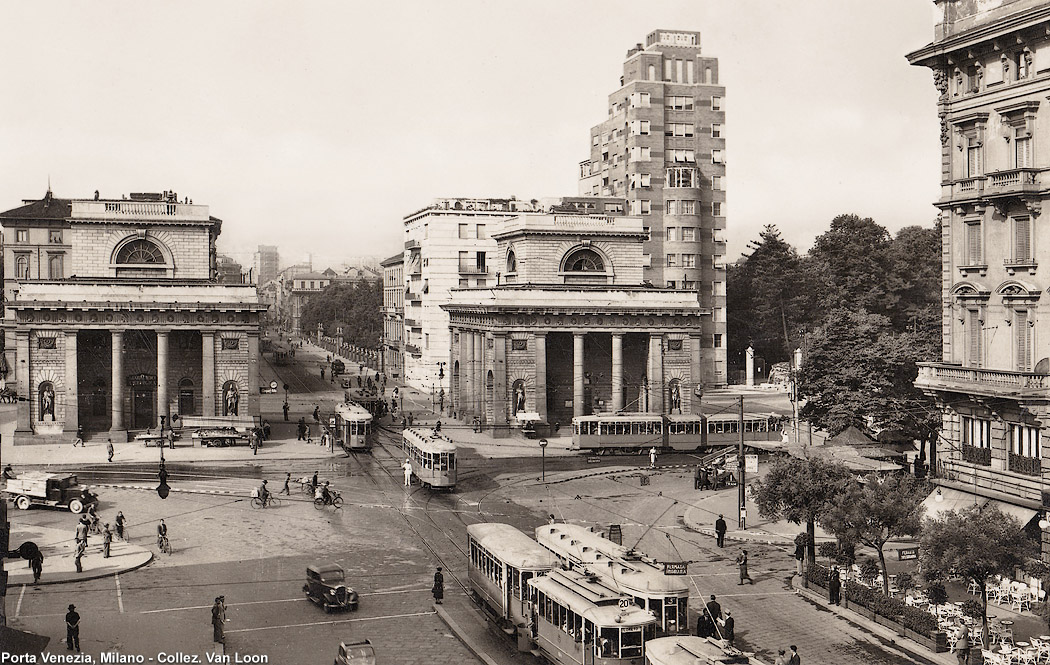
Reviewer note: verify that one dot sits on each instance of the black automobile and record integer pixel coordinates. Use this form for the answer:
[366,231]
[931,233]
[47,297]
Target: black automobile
[356,653]
[325,586]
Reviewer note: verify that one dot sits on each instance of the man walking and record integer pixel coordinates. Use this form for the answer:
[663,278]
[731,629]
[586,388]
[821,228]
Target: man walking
[962,642]
[82,530]
[652,457]
[78,554]
[107,540]
[285,408]
[834,587]
[714,614]
[794,660]
[301,430]
[73,629]
[720,531]
[741,562]
[407,466]
[439,586]
[218,618]
[286,489]
[729,629]
[109,449]
[37,564]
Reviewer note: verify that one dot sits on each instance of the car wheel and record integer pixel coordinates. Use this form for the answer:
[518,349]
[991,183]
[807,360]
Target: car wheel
[75,506]
[22,503]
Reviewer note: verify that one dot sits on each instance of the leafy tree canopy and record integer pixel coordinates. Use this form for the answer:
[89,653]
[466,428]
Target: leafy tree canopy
[355,307]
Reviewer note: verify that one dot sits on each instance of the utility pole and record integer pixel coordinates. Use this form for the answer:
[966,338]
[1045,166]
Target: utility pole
[5,539]
[742,510]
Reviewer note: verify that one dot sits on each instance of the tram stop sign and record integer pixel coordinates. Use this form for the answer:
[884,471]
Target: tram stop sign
[676,568]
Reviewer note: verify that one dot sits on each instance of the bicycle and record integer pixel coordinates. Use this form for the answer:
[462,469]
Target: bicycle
[164,544]
[335,500]
[271,502]
[95,527]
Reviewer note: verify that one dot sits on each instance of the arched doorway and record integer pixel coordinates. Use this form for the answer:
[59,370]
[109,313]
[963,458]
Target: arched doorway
[187,398]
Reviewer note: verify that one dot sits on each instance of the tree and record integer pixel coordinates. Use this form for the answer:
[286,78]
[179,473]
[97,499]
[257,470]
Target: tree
[914,283]
[799,490]
[977,543]
[357,308]
[853,259]
[872,511]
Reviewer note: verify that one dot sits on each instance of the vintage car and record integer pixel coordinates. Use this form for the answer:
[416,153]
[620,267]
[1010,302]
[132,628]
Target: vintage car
[356,653]
[324,586]
[59,490]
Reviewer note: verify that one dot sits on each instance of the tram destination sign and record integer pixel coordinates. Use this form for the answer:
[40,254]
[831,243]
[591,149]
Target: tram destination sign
[676,568]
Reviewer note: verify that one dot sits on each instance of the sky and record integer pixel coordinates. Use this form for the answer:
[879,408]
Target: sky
[317,126]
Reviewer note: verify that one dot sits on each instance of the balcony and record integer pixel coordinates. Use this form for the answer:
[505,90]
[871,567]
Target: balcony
[969,187]
[472,269]
[411,244]
[978,381]
[412,323]
[412,297]
[1014,266]
[413,349]
[975,455]
[1012,182]
[990,481]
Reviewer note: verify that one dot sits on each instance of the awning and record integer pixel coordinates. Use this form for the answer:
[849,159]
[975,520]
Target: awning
[953,499]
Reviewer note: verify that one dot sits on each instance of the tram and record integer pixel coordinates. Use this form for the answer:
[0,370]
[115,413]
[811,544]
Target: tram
[632,573]
[686,650]
[578,619]
[371,401]
[502,561]
[636,433]
[354,429]
[433,457]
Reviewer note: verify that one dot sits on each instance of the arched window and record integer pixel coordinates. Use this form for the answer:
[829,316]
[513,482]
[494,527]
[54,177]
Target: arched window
[139,252]
[512,262]
[22,267]
[584,260]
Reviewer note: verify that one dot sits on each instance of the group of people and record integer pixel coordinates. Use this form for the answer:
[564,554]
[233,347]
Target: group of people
[711,477]
[713,623]
[85,525]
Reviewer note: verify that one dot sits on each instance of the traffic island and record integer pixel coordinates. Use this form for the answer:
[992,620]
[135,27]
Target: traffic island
[58,548]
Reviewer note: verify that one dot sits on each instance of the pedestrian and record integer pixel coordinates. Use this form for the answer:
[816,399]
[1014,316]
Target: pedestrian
[107,540]
[696,477]
[309,435]
[720,531]
[9,472]
[794,660]
[800,552]
[109,449]
[705,479]
[317,413]
[218,618]
[714,615]
[331,378]
[407,466]
[266,430]
[741,562]
[120,525]
[962,642]
[703,625]
[36,562]
[834,586]
[439,586]
[313,482]
[729,629]
[477,424]
[550,518]
[322,373]
[331,441]
[162,532]
[78,554]
[782,658]
[437,427]
[286,489]
[285,408]
[652,457]
[73,629]
[82,530]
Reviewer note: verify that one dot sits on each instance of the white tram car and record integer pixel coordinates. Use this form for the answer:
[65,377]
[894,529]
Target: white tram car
[433,457]
[578,619]
[354,428]
[502,561]
[631,572]
[686,650]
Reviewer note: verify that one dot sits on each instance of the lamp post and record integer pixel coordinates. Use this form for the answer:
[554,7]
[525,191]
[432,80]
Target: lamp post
[543,460]
[162,473]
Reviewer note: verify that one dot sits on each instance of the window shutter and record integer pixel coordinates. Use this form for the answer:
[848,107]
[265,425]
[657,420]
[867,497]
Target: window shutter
[974,330]
[1024,350]
[1022,245]
[973,242]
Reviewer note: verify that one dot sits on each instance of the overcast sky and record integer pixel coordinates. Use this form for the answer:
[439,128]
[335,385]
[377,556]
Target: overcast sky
[317,126]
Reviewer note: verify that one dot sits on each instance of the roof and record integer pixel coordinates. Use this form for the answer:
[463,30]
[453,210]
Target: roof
[575,591]
[324,567]
[46,208]
[430,440]
[621,417]
[393,260]
[511,546]
[851,436]
[682,649]
[311,275]
[353,411]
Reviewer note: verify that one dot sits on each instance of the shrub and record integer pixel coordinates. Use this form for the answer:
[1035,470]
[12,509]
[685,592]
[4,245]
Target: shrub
[828,549]
[936,594]
[818,574]
[802,539]
[972,608]
[869,570]
[920,621]
[859,594]
[905,581]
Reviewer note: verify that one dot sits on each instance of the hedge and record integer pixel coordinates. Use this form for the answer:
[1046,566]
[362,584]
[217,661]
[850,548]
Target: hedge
[915,619]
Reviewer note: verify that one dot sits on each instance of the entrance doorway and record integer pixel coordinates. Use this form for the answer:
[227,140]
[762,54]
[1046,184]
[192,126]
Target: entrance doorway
[143,401]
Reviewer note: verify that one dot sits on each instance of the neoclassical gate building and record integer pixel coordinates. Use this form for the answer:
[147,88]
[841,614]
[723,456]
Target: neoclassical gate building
[113,317]
[571,329]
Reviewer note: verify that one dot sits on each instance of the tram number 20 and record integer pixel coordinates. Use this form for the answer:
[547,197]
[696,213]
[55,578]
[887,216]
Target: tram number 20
[625,603]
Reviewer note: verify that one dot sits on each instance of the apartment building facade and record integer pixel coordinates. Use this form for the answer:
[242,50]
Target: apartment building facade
[393,360]
[662,149]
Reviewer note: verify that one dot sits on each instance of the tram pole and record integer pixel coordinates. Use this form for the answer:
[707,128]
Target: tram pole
[742,509]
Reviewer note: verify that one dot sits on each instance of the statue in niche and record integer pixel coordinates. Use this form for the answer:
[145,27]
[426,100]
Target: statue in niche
[230,400]
[519,398]
[676,398]
[47,401]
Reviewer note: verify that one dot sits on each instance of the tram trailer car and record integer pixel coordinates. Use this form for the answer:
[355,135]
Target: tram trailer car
[353,427]
[636,433]
[686,650]
[502,561]
[631,572]
[577,619]
[433,457]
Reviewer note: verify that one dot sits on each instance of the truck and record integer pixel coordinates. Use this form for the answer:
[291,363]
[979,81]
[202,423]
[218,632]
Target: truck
[49,489]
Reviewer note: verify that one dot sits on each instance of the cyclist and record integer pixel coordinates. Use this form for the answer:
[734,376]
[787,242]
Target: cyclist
[162,533]
[264,493]
[93,519]
[323,494]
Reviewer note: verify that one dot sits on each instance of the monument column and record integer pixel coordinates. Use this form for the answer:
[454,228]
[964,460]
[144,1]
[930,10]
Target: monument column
[22,380]
[617,372]
[117,393]
[694,374]
[162,377]
[500,407]
[577,374]
[207,373]
[539,341]
[656,375]
[467,406]
[72,417]
[481,385]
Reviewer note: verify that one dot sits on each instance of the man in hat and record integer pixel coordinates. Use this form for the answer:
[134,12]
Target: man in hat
[439,586]
[218,618]
[109,449]
[107,540]
[73,629]
[720,531]
[78,554]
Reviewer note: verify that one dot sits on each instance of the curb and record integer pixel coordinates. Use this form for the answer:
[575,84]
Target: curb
[768,539]
[613,472]
[88,578]
[461,635]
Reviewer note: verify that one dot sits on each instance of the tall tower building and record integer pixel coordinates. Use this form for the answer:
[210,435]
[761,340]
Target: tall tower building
[266,264]
[991,66]
[662,149]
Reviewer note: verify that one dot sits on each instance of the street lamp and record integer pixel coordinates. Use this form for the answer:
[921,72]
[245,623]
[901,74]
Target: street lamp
[543,458]
[162,474]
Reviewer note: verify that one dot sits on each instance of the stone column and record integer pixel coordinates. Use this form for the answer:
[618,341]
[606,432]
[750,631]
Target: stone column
[480,377]
[208,373]
[617,372]
[22,379]
[163,408]
[252,403]
[539,341]
[467,405]
[500,407]
[117,383]
[656,374]
[749,367]
[577,374]
[695,378]
[72,418]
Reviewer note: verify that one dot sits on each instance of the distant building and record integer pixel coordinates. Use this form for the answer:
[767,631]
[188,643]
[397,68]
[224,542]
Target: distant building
[228,271]
[267,263]
[393,359]
[990,63]
[300,288]
[662,149]
[112,320]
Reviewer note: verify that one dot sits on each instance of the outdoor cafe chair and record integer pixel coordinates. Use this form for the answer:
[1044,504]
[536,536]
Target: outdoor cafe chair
[992,658]
[1020,599]
[973,588]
